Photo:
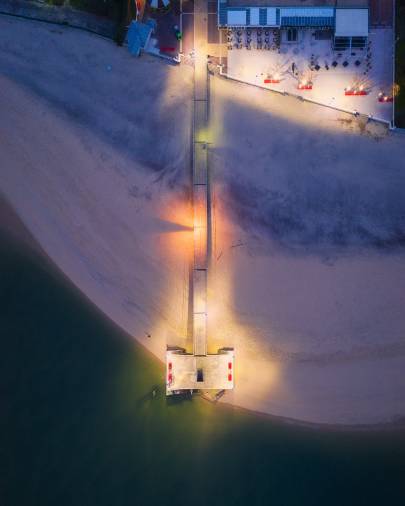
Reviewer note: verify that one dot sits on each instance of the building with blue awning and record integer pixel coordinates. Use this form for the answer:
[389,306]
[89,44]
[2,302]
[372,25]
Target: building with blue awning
[346,20]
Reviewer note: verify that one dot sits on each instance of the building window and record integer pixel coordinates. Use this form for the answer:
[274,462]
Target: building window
[322,34]
[342,43]
[359,42]
[292,35]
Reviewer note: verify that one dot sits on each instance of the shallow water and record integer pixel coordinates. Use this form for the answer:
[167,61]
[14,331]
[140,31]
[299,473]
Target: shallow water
[79,425]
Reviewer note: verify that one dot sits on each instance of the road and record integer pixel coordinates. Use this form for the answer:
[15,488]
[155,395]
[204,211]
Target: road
[212,35]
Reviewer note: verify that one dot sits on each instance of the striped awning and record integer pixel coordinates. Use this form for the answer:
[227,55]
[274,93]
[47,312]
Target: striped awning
[301,21]
[284,17]
[309,16]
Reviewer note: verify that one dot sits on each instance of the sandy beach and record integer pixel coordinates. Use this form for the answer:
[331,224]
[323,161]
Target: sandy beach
[95,159]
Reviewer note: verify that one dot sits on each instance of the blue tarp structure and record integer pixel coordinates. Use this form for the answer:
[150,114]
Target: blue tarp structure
[280,17]
[139,35]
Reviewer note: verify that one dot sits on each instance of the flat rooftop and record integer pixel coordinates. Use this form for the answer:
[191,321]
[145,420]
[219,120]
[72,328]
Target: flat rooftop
[184,370]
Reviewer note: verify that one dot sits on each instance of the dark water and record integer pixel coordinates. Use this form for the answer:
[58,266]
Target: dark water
[79,426]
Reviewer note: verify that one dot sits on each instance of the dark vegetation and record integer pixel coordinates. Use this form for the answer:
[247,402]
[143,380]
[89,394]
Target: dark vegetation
[120,11]
[107,8]
[400,64]
[113,9]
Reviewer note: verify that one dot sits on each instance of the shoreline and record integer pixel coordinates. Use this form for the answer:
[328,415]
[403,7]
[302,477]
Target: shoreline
[398,426]
[12,228]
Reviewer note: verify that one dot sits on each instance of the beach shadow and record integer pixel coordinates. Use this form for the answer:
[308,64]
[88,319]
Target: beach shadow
[154,393]
[174,400]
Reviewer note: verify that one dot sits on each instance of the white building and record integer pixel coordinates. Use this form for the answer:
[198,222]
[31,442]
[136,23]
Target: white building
[344,22]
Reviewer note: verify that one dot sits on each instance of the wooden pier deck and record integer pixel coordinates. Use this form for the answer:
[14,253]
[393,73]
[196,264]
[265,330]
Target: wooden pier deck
[199,370]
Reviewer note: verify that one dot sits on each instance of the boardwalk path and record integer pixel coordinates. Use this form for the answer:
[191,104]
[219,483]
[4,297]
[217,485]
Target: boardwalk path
[200,179]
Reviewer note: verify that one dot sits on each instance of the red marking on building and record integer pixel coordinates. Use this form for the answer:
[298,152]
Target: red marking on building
[271,81]
[229,365]
[229,377]
[305,86]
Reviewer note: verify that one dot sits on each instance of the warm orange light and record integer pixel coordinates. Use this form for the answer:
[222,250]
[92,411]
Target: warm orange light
[176,236]
[253,370]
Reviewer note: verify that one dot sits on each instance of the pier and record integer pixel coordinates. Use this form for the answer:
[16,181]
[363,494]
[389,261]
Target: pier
[199,370]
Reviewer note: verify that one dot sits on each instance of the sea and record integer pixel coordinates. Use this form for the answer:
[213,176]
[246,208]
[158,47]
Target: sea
[84,420]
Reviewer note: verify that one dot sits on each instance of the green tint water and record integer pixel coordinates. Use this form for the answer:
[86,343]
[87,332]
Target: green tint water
[79,425]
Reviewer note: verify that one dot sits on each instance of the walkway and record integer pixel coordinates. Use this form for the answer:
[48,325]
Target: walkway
[200,180]
[200,371]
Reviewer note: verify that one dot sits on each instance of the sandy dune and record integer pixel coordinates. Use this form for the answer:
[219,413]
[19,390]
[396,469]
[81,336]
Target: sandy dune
[96,160]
